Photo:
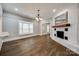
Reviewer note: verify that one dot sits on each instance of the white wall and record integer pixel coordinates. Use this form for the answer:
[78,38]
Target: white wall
[0,18]
[10,24]
[78,25]
[0,25]
[71,43]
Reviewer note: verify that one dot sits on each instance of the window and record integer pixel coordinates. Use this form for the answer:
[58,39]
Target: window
[25,27]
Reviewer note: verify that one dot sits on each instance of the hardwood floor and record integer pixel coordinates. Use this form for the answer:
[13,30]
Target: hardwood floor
[35,46]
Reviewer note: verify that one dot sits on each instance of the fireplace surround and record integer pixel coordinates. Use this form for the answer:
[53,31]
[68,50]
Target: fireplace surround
[61,33]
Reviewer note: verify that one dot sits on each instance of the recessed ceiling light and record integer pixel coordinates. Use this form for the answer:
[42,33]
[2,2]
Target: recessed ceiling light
[16,9]
[54,10]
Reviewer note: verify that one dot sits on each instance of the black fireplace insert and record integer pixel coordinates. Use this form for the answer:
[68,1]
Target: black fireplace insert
[60,34]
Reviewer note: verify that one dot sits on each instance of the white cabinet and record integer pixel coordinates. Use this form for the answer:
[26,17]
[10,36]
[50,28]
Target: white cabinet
[2,35]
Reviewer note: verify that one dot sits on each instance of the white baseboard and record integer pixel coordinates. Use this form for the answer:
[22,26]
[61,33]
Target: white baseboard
[69,45]
[44,34]
[21,37]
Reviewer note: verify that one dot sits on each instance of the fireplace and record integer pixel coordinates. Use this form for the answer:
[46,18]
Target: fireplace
[60,34]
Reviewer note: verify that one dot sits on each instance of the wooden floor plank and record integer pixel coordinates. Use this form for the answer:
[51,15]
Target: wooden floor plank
[35,46]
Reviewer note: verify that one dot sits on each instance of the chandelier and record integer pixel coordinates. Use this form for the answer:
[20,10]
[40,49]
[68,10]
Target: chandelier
[38,18]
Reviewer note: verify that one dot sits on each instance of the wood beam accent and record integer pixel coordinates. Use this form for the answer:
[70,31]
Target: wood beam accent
[62,25]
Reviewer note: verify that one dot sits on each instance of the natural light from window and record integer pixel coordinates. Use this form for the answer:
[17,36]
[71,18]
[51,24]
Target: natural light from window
[25,27]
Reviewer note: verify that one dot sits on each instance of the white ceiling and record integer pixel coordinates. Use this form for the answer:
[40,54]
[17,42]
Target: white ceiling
[30,9]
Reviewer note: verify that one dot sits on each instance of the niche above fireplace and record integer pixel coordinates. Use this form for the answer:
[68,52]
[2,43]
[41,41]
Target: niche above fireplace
[61,18]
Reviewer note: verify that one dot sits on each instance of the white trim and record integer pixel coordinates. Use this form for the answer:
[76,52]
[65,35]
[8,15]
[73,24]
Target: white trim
[67,44]
[21,37]
[43,34]
[26,34]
